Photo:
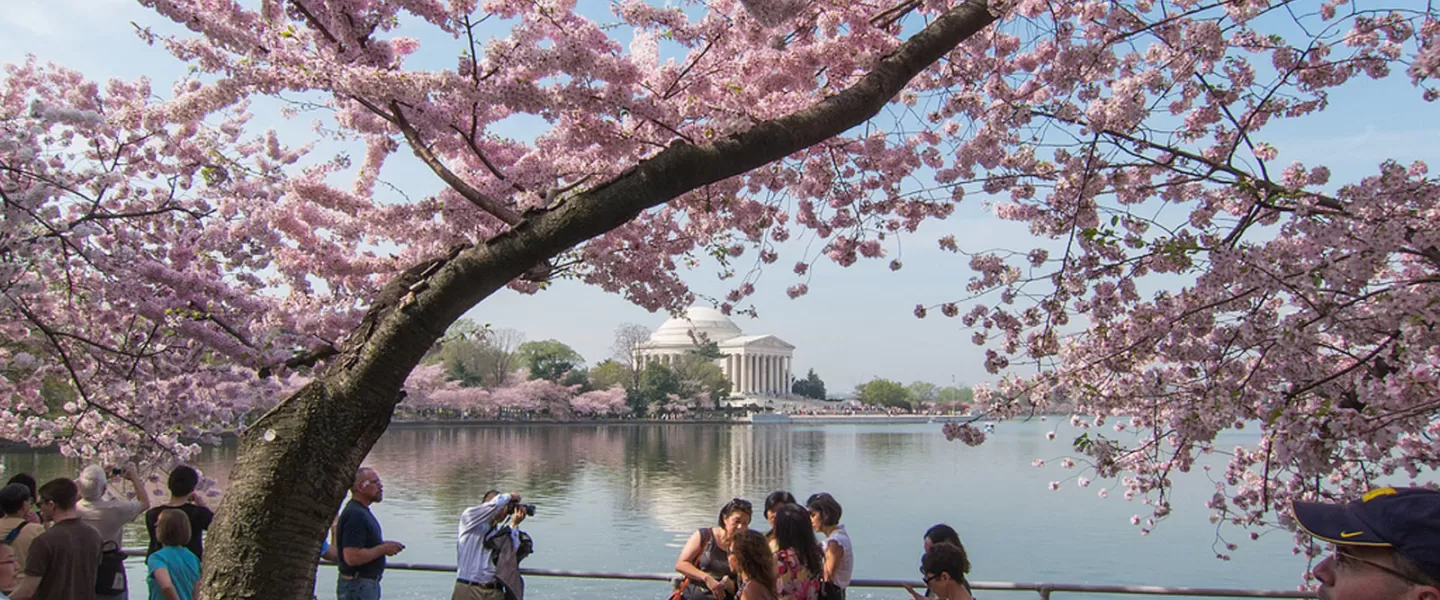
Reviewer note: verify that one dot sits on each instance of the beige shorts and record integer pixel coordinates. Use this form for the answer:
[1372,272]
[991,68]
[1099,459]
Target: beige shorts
[466,591]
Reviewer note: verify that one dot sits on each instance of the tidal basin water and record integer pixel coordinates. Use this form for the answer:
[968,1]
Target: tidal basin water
[624,497]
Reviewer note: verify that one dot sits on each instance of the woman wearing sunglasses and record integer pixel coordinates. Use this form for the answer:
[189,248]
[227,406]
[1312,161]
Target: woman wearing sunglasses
[705,559]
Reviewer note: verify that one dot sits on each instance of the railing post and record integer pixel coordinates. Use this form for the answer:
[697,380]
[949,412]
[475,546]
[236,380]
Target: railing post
[1044,591]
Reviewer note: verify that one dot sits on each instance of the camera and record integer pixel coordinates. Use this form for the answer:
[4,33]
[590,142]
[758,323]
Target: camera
[528,508]
[116,471]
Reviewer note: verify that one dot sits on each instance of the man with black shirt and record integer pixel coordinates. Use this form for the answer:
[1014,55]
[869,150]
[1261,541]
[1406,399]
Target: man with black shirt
[183,496]
[63,561]
[362,548]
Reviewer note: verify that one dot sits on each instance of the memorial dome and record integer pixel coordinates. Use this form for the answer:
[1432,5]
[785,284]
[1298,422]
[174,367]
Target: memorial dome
[703,320]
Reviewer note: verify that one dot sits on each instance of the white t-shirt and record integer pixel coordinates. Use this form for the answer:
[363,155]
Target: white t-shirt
[109,516]
[846,569]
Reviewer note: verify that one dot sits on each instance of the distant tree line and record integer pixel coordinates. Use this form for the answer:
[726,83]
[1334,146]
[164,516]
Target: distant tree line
[917,396]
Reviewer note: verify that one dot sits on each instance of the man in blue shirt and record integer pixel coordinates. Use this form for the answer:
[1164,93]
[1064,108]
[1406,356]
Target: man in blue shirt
[362,548]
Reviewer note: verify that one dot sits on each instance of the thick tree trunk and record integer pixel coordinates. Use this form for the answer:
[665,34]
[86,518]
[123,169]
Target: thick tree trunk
[296,463]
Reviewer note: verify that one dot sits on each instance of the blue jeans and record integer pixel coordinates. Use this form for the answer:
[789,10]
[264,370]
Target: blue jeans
[357,589]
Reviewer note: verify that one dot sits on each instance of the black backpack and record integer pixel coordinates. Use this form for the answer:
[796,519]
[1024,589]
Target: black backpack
[110,579]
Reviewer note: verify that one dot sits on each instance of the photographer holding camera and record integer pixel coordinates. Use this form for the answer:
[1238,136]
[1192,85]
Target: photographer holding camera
[490,551]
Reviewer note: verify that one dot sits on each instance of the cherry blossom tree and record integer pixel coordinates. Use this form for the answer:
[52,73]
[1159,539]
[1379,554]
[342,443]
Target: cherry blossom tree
[152,262]
[726,129]
[699,132]
[607,402]
[1135,140]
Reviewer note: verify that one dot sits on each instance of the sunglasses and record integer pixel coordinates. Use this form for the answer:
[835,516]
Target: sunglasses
[1349,561]
[929,578]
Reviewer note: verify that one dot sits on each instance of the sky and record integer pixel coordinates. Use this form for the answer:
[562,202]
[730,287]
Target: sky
[856,323]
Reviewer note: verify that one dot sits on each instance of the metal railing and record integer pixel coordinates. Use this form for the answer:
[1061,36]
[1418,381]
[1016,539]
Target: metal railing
[1043,589]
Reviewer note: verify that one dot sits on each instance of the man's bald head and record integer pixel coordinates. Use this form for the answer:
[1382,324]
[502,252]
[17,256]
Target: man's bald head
[367,488]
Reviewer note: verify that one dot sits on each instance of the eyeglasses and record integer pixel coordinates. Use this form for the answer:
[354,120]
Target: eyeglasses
[1349,561]
[927,578]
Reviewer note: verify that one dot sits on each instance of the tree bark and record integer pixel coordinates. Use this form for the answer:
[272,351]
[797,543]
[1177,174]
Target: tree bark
[296,462]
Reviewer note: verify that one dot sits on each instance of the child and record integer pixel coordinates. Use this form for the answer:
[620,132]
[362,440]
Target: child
[174,570]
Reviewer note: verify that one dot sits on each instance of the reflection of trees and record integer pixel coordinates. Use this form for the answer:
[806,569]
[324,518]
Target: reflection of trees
[886,449]
[457,465]
[678,474]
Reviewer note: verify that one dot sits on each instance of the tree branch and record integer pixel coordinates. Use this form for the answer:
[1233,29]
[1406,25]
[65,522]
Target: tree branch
[476,197]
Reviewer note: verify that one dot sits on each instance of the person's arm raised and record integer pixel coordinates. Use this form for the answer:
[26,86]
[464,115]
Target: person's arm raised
[142,495]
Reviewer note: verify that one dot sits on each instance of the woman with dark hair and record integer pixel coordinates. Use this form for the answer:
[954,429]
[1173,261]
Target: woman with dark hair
[752,561]
[705,559]
[773,502]
[839,556]
[798,561]
[945,534]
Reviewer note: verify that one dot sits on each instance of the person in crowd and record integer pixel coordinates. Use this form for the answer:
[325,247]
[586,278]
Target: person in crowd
[479,558]
[16,527]
[773,502]
[705,559]
[64,560]
[362,547]
[799,561]
[9,569]
[182,482]
[1387,544]
[753,563]
[839,557]
[109,515]
[30,484]
[174,569]
[943,571]
[945,534]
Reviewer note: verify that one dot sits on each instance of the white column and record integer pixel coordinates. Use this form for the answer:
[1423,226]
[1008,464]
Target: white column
[764,374]
[750,373]
[789,375]
[740,373]
[769,375]
[770,362]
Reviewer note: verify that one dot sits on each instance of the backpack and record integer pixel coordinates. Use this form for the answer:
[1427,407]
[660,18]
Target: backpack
[110,579]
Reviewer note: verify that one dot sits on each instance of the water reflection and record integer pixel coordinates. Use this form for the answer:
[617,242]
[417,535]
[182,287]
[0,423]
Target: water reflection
[623,497]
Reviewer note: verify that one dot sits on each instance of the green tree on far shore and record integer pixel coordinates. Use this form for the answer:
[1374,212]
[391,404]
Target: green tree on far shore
[610,373]
[884,393]
[549,359]
[809,387]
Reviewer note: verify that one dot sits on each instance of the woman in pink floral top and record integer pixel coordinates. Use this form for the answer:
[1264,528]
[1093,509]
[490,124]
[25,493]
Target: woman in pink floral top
[799,562]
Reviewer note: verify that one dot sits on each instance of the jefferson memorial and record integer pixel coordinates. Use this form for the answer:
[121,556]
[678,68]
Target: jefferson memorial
[756,365]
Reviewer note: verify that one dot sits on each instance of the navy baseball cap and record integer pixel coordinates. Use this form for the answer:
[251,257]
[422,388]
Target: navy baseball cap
[1405,519]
